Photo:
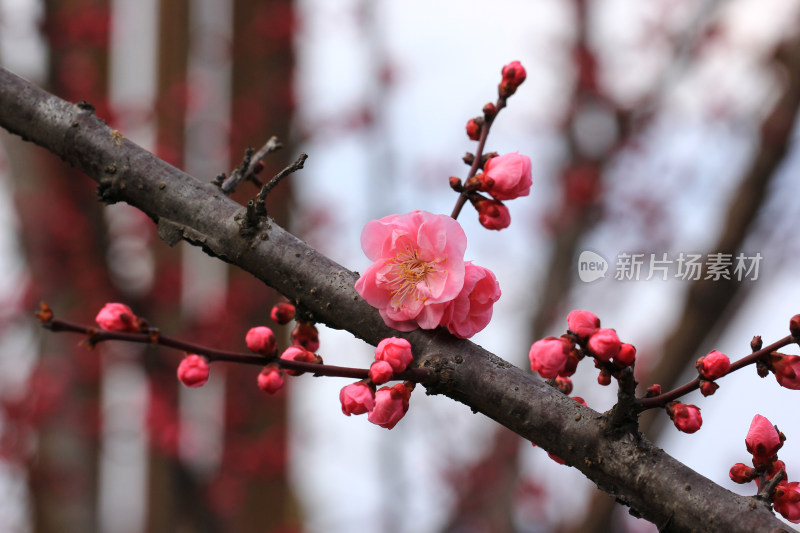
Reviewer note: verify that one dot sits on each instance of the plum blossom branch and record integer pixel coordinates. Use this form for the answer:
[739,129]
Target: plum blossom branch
[638,474]
[661,400]
[95,336]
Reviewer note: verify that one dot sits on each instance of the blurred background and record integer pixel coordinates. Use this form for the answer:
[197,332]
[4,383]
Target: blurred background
[656,128]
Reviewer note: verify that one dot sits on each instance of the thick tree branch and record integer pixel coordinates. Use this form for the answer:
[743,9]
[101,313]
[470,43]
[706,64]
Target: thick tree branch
[638,474]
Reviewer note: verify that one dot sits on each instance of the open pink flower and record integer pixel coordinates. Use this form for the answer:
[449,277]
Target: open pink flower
[507,176]
[270,379]
[685,417]
[582,323]
[549,356]
[396,352]
[418,266]
[357,398]
[117,317]
[762,440]
[787,501]
[261,340]
[193,371]
[471,310]
[391,404]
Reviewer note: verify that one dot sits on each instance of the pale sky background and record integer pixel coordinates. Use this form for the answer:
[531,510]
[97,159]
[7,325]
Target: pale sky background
[446,64]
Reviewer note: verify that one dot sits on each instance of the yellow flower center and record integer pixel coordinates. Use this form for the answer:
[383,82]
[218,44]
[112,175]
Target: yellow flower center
[407,271]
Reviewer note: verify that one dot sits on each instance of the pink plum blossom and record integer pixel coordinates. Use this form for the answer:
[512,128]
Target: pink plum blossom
[549,356]
[507,176]
[391,404]
[396,352]
[261,340]
[380,372]
[582,323]
[604,344]
[117,317]
[472,309]
[418,267]
[193,371]
[357,398]
[270,379]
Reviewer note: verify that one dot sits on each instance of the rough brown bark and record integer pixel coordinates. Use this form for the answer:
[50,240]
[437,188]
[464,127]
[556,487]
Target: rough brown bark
[624,464]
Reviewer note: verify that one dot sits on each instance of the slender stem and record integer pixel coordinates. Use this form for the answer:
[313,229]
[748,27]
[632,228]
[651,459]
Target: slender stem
[662,399]
[95,335]
[476,162]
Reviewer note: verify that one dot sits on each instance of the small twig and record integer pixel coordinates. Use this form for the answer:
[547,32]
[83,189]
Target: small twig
[152,336]
[765,493]
[487,125]
[250,166]
[662,399]
[260,200]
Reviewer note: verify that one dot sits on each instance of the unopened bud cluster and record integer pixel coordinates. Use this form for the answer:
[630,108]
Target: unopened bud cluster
[763,441]
[558,357]
[387,405]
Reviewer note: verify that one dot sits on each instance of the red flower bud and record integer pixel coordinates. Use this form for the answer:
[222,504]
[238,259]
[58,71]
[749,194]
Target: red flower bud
[564,384]
[707,388]
[299,354]
[626,355]
[270,379]
[786,369]
[117,317]
[685,417]
[763,440]
[193,371]
[282,313]
[741,473]
[380,372]
[794,326]
[493,214]
[714,365]
[582,323]
[548,356]
[653,390]
[305,334]
[474,126]
[261,340]
[604,344]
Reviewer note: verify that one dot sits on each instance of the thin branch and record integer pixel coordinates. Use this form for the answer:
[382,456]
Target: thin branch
[153,336]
